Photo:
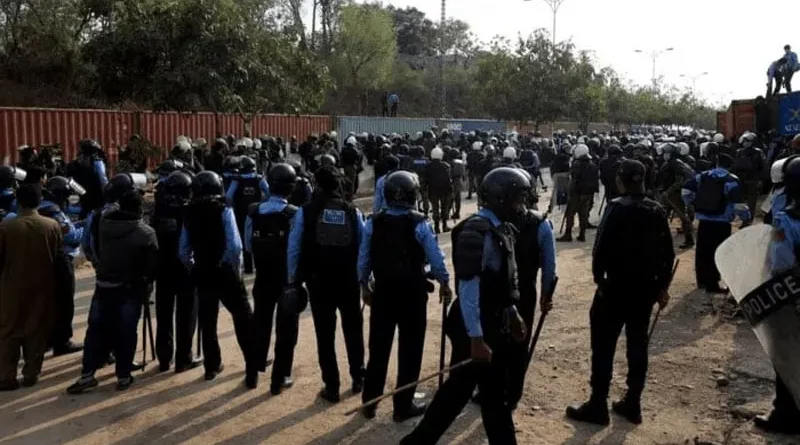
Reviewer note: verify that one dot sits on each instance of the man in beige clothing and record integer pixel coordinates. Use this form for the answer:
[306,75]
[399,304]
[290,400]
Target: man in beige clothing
[30,248]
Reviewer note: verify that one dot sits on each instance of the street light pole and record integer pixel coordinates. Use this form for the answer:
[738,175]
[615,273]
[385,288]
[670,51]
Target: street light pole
[694,79]
[554,5]
[655,54]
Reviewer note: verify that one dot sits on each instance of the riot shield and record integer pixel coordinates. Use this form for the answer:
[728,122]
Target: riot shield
[769,302]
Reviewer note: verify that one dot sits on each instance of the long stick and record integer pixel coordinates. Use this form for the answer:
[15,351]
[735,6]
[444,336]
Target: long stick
[535,339]
[658,312]
[409,386]
[442,345]
[144,336]
[602,203]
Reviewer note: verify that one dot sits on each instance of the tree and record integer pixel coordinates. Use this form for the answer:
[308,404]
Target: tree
[365,49]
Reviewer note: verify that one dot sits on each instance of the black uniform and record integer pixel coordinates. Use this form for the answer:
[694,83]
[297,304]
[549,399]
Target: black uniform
[474,159]
[749,167]
[247,193]
[632,265]
[270,235]
[328,264]
[584,178]
[608,176]
[458,172]
[498,292]
[175,294]
[440,191]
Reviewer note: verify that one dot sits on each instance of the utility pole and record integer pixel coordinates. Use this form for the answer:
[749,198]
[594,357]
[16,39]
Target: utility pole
[554,5]
[655,54]
[694,79]
[442,51]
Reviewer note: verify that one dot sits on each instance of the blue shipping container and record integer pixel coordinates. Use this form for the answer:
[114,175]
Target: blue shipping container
[380,125]
[458,126]
[789,114]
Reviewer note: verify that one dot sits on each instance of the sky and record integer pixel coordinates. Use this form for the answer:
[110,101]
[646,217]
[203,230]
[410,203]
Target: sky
[721,37]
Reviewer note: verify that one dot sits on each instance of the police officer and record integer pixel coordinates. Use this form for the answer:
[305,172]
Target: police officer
[777,199]
[247,188]
[480,321]
[395,247]
[379,203]
[210,248]
[230,170]
[458,171]
[748,166]
[559,172]
[126,252]
[632,265]
[10,177]
[213,161]
[584,178]
[29,161]
[89,171]
[671,177]
[608,172]
[56,192]
[530,162]
[323,253]
[643,155]
[488,163]
[534,249]
[717,199]
[351,158]
[175,296]
[303,190]
[474,159]
[267,237]
[419,162]
[785,415]
[440,189]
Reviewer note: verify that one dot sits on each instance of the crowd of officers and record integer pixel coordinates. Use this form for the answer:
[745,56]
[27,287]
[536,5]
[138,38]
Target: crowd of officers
[241,207]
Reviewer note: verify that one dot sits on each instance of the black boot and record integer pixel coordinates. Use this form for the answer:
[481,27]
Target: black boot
[436,227]
[567,238]
[445,229]
[688,242]
[251,380]
[581,237]
[775,422]
[630,408]
[594,411]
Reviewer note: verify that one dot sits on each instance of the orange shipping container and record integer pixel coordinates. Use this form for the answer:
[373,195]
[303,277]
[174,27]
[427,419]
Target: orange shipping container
[743,116]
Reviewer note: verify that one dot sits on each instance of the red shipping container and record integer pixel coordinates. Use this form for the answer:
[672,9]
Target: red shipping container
[722,122]
[744,117]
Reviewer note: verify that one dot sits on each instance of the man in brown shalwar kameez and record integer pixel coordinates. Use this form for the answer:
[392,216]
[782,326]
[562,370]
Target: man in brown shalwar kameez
[30,246]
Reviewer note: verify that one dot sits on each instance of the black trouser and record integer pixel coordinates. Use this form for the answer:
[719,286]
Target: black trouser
[384,110]
[351,173]
[784,403]
[440,205]
[787,81]
[458,188]
[424,205]
[215,285]
[113,317]
[175,297]
[406,311]
[247,257]
[710,234]
[580,204]
[394,110]
[611,310]
[751,189]
[449,401]
[328,296]
[474,180]
[266,298]
[64,304]
[516,373]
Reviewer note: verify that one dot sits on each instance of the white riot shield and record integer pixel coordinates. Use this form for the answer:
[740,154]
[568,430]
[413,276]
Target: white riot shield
[768,302]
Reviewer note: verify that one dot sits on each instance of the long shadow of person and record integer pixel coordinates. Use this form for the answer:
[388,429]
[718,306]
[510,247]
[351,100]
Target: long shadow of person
[585,432]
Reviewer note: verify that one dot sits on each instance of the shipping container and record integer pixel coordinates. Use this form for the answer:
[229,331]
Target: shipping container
[722,121]
[47,126]
[458,126]
[744,117]
[380,125]
[548,129]
[788,121]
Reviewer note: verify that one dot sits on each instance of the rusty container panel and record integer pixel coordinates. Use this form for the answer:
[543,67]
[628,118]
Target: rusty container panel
[722,126]
[744,117]
[44,126]
[286,126]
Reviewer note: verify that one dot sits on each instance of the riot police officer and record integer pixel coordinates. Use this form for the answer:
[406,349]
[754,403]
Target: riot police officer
[303,191]
[559,172]
[56,192]
[89,171]
[351,159]
[458,169]
[210,248]
[777,199]
[608,172]
[485,313]
[440,189]
[267,237]
[323,254]
[246,189]
[748,166]
[419,162]
[474,159]
[9,181]
[632,267]
[29,161]
[395,247]
[214,159]
[175,296]
[785,415]
[671,177]
[392,164]
[584,178]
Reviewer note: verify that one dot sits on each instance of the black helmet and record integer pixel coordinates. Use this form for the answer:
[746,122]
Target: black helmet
[207,183]
[454,153]
[504,191]
[791,176]
[281,179]
[59,188]
[220,145]
[10,175]
[89,146]
[615,150]
[231,164]
[247,165]
[326,160]
[176,188]
[123,184]
[169,166]
[400,189]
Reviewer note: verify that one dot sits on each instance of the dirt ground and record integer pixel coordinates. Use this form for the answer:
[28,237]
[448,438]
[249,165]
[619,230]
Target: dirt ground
[703,367]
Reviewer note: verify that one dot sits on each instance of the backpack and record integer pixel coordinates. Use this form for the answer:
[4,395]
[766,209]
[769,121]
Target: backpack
[270,240]
[711,198]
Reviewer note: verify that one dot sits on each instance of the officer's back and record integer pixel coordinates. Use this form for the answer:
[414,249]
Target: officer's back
[633,243]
